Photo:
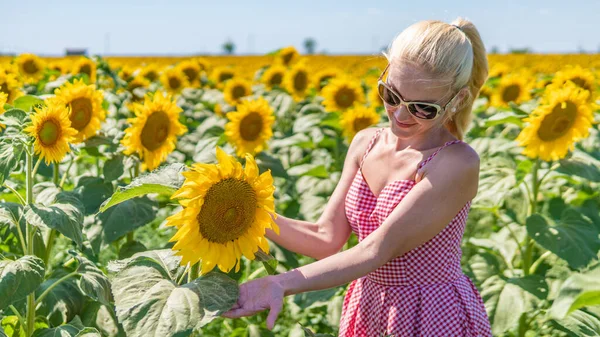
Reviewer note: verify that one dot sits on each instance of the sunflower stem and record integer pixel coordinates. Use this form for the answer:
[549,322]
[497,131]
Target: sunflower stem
[195,271]
[37,165]
[55,174]
[21,200]
[529,246]
[64,176]
[18,314]
[29,235]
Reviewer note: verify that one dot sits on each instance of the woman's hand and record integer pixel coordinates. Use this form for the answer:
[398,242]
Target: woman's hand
[256,296]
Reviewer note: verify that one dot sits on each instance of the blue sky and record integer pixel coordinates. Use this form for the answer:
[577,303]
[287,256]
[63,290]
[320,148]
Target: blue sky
[179,27]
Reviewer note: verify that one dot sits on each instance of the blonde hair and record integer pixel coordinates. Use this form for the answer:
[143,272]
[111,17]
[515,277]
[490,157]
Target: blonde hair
[452,51]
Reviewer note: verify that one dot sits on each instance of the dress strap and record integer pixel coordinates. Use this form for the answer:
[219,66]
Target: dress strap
[421,164]
[370,146]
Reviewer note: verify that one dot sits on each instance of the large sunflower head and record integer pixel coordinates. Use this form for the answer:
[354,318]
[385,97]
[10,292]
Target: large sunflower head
[10,86]
[556,125]
[3,98]
[153,132]
[191,70]
[227,209]
[342,93]
[356,119]
[52,132]
[220,75]
[85,66]
[236,89]
[151,72]
[273,76]
[515,87]
[288,55]
[174,80]
[583,78]
[85,106]
[250,126]
[297,81]
[31,67]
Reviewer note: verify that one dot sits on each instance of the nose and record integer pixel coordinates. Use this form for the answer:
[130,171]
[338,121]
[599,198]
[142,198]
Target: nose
[401,113]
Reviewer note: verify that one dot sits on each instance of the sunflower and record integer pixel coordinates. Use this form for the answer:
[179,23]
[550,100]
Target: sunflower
[85,66]
[59,65]
[150,72]
[236,89]
[191,70]
[153,132]
[52,132]
[250,126]
[356,119]
[10,86]
[373,94]
[126,73]
[3,98]
[324,76]
[85,105]
[288,55]
[499,69]
[31,67]
[515,88]
[174,80]
[297,81]
[220,75]
[342,93]
[557,124]
[227,210]
[583,78]
[273,76]
[202,63]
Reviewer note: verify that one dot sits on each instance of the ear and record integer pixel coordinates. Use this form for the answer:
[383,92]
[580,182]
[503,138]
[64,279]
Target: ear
[455,103]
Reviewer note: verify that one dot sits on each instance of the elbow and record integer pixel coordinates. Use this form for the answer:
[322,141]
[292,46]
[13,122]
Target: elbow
[329,247]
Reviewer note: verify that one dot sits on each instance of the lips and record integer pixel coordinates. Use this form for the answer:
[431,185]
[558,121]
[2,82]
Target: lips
[404,125]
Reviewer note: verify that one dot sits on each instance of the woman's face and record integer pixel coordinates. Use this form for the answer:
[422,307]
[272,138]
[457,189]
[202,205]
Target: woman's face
[415,84]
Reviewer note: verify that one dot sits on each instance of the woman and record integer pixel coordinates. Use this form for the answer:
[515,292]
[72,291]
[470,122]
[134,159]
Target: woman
[408,213]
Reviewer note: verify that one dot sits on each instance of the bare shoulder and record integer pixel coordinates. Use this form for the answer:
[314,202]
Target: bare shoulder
[455,165]
[359,143]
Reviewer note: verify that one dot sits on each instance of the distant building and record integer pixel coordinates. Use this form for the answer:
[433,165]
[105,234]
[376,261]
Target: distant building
[71,52]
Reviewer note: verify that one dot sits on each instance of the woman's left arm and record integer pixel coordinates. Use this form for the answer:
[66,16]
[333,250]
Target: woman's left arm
[423,213]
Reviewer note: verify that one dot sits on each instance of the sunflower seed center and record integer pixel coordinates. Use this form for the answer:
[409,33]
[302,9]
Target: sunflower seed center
[81,113]
[49,132]
[511,93]
[251,126]
[558,123]
[155,130]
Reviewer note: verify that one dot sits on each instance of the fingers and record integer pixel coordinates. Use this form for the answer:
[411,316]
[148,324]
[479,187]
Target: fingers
[273,313]
[237,313]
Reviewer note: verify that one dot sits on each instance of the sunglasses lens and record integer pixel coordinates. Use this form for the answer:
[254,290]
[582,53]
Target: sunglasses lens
[387,95]
[424,111]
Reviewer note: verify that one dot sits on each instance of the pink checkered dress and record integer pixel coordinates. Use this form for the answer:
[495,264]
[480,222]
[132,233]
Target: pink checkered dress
[422,293]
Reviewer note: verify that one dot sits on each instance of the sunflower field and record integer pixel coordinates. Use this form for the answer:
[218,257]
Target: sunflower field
[135,193]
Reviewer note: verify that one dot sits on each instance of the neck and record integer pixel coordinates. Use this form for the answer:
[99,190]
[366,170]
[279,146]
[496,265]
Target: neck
[423,142]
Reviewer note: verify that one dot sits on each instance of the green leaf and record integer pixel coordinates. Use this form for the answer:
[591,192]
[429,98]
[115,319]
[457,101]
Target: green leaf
[65,215]
[12,327]
[10,154]
[13,117]
[128,249]
[89,332]
[574,239]
[63,302]
[19,278]
[580,324]
[310,170]
[103,318]
[517,110]
[93,282]
[523,168]
[66,330]
[507,299]
[268,261]
[504,117]
[578,291]
[113,168]
[314,299]
[166,180]
[582,165]
[307,122]
[27,102]
[138,212]
[93,191]
[149,301]
[267,162]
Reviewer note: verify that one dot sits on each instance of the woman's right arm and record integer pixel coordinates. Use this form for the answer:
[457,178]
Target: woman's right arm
[329,234]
